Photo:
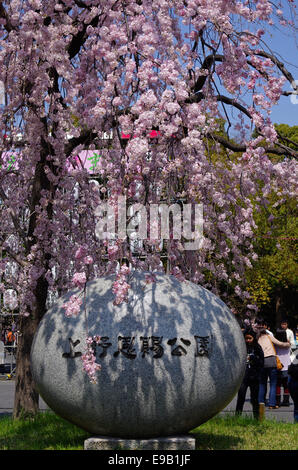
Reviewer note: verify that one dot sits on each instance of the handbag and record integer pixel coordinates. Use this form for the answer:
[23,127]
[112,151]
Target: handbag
[279,364]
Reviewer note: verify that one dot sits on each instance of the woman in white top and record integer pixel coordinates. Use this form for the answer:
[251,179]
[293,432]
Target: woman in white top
[268,343]
[284,355]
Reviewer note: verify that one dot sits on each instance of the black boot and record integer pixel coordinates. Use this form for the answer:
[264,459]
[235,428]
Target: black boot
[286,400]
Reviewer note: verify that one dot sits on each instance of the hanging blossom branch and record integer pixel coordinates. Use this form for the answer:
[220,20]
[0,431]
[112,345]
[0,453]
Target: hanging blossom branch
[73,307]
[89,359]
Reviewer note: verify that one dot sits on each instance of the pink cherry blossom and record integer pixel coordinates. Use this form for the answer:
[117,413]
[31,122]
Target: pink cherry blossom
[72,307]
[79,279]
[81,252]
[89,360]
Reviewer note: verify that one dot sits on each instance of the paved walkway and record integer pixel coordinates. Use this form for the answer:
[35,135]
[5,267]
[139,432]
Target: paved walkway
[7,388]
[285,414]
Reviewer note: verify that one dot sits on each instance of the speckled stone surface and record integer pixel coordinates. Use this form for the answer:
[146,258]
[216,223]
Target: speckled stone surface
[161,443]
[185,364]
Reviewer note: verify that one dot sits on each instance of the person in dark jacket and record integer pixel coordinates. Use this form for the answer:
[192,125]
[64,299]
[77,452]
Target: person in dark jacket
[293,383]
[254,364]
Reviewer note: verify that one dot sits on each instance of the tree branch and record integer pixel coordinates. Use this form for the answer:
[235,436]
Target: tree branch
[87,137]
[14,256]
[243,148]
[280,65]
[14,217]
[3,14]
[208,62]
[234,103]
[79,39]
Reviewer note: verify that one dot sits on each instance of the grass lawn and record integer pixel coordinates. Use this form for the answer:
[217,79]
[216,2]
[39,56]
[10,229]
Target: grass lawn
[47,431]
[246,433]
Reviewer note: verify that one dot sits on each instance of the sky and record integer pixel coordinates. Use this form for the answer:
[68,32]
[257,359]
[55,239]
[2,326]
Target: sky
[285,45]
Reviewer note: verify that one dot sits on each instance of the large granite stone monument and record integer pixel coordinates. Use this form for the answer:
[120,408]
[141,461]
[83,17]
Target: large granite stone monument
[171,357]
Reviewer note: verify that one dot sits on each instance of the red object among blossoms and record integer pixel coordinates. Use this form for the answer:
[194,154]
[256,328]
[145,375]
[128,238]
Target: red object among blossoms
[152,134]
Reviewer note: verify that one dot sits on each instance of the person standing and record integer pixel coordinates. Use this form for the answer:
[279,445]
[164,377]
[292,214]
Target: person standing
[254,364]
[269,370]
[10,338]
[284,355]
[265,324]
[261,322]
[290,334]
[296,337]
[293,382]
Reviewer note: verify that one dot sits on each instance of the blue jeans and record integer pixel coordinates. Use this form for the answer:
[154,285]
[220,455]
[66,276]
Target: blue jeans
[271,373]
[293,389]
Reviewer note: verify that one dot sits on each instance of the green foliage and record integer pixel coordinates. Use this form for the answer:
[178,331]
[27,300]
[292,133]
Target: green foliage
[288,135]
[273,279]
[276,242]
[259,290]
[75,120]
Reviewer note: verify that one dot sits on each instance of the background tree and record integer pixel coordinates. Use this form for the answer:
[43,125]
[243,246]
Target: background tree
[288,135]
[131,66]
[274,281]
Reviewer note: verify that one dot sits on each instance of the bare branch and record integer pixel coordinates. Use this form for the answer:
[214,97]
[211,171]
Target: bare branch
[234,103]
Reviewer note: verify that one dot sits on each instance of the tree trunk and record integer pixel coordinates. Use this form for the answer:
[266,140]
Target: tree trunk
[278,305]
[26,402]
